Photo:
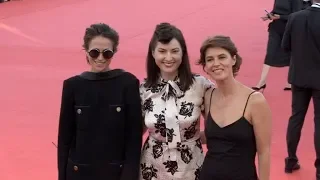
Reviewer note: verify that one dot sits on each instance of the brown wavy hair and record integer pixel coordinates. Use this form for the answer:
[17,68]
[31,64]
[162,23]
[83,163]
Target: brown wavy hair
[224,42]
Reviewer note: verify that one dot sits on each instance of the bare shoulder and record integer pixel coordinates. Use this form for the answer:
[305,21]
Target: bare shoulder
[257,98]
[208,93]
[207,99]
[259,108]
[207,96]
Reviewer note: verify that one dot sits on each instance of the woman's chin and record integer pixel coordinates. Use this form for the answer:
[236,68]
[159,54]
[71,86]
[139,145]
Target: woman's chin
[99,69]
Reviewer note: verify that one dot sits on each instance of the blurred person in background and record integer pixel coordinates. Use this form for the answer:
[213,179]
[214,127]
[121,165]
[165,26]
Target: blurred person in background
[276,56]
[302,39]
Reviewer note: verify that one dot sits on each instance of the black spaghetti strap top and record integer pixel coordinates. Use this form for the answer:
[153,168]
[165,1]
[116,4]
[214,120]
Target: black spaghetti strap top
[231,150]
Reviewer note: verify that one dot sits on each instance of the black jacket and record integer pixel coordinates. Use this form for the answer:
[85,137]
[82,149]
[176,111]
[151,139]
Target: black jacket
[100,128]
[302,39]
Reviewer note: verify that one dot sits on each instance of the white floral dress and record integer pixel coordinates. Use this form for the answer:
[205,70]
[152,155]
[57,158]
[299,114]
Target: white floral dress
[173,148]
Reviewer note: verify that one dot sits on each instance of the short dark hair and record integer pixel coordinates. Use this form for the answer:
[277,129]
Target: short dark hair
[103,30]
[224,42]
[164,33]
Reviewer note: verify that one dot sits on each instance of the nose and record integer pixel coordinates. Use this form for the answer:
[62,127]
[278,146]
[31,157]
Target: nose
[100,57]
[168,56]
[215,62]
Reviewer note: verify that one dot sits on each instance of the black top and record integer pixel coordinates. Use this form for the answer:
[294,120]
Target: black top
[302,39]
[231,150]
[100,128]
[285,7]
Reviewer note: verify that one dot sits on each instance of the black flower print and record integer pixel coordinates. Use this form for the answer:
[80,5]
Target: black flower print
[164,96]
[171,166]
[186,109]
[171,93]
[202,106]
[146,144]
[157,88]
[191,130]
[157,149]
[170,133]
[160,125]
[186,154]
[156,162]
[180,86]
[197,173]
[148,172]
[199,145]
[148,105]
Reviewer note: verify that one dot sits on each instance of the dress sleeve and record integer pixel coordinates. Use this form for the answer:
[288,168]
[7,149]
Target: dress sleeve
[142,94]
[206,85]
[66,130]
[133,136]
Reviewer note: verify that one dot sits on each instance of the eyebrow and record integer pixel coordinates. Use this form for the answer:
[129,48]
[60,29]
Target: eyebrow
[217,55]
[172,49]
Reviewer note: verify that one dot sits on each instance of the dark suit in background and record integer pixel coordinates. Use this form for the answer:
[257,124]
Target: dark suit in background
[100,129]
[302,39]
[306,3]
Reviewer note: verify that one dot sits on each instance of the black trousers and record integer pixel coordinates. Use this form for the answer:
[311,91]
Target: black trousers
[300,102]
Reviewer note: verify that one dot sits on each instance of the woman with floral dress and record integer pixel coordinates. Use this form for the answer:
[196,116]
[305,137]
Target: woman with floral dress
[172,98]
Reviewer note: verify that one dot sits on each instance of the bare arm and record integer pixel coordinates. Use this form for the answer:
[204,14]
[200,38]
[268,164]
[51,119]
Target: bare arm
[261,121]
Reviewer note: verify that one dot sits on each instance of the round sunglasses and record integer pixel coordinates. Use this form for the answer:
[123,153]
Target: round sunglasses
[95,53]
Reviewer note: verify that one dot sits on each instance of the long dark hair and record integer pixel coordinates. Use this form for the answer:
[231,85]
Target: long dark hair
[164,33]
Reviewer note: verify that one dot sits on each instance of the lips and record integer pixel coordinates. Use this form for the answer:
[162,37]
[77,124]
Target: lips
[100,63]
[168,64]
[217,70]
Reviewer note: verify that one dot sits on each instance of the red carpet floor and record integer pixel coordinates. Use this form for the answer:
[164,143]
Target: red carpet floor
[40,45]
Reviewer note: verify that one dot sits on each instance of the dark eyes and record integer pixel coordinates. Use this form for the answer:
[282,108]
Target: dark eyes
[174,51]
[220,58]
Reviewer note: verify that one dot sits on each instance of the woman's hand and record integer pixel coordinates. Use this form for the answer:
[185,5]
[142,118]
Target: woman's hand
[271,17]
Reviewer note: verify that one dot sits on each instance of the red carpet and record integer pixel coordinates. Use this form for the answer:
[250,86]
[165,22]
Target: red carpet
[40,45]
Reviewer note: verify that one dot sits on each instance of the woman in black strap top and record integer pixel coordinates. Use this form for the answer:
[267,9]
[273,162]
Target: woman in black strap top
[238,124]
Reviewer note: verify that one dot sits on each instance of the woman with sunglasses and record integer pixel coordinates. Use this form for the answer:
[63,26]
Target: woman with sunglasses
[100,129]
[172,98]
